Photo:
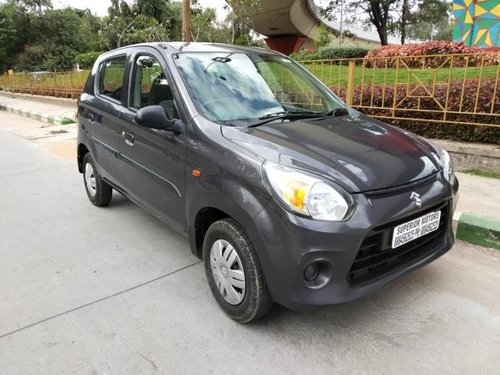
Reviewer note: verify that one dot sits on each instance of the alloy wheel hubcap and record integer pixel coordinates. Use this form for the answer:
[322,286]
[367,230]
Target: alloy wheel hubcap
[90,179]
[227,271]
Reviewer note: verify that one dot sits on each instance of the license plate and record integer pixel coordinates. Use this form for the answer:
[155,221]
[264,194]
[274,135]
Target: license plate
[416,228]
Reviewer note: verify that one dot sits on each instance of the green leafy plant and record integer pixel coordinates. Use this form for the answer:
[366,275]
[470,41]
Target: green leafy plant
[86,60]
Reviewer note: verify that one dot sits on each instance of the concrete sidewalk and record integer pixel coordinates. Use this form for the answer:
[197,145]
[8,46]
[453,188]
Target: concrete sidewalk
[478,210]
[477,217]
[53,111]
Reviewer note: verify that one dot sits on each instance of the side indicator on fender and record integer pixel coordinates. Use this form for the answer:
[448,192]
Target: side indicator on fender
[196,173]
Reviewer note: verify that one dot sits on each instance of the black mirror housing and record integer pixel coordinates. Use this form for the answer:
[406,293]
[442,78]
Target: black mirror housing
[155,117]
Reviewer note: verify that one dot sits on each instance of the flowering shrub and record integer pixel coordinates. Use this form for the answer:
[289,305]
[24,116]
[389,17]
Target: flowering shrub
[431,55]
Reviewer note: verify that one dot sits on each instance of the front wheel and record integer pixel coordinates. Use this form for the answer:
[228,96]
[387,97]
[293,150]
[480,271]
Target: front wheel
[234,272]
[98,191]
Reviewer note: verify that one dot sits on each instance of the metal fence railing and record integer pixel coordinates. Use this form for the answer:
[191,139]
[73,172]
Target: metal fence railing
[453,89]
[59,84]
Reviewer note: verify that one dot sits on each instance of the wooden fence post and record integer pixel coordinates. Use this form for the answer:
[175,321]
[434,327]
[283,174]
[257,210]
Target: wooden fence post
[350,82]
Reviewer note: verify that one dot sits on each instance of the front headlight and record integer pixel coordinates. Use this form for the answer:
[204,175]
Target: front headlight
[447,165]
[306,194]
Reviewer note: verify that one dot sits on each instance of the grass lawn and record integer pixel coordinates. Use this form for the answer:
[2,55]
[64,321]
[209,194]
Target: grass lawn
[336,75]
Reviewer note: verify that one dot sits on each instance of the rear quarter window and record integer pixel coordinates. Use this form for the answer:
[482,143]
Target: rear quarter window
[111,75]
[89,85]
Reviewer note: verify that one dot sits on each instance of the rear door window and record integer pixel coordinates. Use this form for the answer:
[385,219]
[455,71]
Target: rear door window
[111,76]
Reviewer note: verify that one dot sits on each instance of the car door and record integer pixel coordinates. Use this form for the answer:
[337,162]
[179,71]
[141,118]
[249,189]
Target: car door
[103,117]
[154,158]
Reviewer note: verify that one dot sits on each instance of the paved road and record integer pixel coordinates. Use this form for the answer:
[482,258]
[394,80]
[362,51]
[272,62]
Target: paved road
[114,291]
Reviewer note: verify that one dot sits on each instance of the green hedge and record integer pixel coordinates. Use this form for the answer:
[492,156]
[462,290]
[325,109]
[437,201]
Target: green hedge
[86,60]
[328,53]
[341,53]
[305,55]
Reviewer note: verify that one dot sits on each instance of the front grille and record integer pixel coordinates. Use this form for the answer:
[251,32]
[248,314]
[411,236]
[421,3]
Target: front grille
[377,193]
[376,258]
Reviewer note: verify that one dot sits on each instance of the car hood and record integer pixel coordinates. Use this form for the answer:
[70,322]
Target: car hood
[356,151]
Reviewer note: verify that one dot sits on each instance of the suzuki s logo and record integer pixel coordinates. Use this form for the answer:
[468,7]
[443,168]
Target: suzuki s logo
[416,198]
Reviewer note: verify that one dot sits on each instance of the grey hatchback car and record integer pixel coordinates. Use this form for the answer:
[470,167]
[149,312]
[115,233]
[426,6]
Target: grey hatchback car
[286,193]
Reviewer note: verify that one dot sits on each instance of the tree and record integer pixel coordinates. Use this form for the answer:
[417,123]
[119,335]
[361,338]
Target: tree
[203,21]
[395,17]
[60,40]
[116,24]
[378,13]
[90,27]
[431,20]
[38,7]
[152,8]
[405,15]
[324,36]
[19,26]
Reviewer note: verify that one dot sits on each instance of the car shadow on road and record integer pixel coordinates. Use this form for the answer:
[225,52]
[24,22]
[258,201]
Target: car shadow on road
[119,200]
[403,303]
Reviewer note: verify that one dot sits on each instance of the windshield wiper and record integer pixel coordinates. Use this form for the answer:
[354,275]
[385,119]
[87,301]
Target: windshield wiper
[274,115]
[284,115]
[334,112]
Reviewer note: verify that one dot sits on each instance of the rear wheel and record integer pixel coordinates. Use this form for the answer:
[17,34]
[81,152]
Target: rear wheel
[234,272]
[98,191]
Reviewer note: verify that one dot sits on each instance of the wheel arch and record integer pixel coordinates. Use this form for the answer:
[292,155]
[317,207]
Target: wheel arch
[206,215]
[82,150]
[204,218]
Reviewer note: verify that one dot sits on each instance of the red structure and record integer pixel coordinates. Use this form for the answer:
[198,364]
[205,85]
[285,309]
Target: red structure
[285,44]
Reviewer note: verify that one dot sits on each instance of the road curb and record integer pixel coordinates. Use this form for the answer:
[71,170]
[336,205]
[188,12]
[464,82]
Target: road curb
[49,119]
[478,230]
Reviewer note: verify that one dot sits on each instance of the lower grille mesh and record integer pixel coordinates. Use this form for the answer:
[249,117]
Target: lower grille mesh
[376,258]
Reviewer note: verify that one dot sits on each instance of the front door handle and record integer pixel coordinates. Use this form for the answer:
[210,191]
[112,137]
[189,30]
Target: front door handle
[129,138]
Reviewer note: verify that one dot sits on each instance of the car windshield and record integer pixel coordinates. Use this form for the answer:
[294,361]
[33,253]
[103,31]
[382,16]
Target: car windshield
[237,88]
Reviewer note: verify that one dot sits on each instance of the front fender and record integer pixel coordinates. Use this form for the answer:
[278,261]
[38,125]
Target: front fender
[232,198]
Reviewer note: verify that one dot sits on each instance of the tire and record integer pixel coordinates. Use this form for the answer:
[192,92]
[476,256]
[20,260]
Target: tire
[234,272]
[98,191]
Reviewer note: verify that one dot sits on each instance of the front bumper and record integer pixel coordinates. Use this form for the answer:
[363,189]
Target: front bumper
[355,257]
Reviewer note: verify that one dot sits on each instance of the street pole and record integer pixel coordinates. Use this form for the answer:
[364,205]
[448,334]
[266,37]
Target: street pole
[341,22]
[123,32]
[186,21]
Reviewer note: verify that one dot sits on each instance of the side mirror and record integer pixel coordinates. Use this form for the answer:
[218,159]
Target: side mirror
[155,117]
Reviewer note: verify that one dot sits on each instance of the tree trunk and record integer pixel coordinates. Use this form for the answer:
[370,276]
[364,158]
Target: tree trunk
[382,33]
[379,14]
[404,20]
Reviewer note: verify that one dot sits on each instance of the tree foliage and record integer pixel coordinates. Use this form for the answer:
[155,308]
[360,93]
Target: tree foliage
[34,36]
[324,37]
[431,20]
[397,17]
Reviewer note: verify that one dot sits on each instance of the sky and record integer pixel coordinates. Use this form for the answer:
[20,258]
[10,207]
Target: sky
[100,7]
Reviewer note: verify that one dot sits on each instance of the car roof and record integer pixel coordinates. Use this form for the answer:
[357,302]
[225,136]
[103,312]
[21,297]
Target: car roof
[175,47]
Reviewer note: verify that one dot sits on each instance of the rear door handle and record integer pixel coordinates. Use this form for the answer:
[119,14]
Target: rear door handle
[129,138]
